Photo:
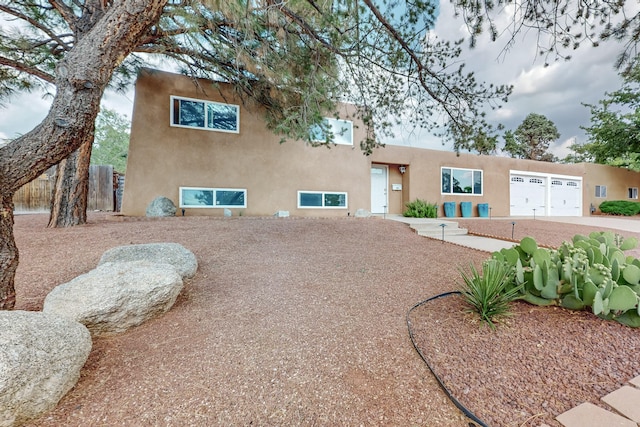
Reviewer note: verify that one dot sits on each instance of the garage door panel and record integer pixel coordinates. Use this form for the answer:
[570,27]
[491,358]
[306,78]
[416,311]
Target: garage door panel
[566,197]
[526,194]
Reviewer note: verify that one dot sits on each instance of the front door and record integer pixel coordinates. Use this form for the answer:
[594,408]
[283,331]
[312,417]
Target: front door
[379,189]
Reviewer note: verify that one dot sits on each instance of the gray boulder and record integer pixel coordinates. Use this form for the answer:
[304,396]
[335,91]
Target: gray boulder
[161,206]
[171,253]
[116,296]
[41,356]
[362,213]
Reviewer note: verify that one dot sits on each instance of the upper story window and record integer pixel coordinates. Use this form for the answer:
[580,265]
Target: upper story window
[209,115]
[341,130]
[601,191]
[633,192]
[461,181]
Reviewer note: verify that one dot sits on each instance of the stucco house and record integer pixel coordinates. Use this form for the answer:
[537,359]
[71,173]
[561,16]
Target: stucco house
[200,146]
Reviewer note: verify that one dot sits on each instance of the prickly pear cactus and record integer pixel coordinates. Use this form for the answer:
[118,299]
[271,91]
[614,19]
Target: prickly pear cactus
[589,271]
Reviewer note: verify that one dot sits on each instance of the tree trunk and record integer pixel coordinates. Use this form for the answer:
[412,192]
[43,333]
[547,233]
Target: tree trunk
[69,198]
[81,77]
[8,253]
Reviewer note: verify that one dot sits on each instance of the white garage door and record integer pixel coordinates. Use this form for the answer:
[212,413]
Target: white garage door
[526,194]
[566,197]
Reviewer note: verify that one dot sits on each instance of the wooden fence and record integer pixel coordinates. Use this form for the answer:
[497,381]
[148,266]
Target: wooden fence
[36,195]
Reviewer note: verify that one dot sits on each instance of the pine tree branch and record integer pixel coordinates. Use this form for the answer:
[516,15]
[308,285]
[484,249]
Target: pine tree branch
[36,24]
[66,13]
[18,66]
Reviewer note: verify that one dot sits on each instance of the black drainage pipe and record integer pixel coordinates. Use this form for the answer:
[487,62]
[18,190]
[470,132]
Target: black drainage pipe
[455,401]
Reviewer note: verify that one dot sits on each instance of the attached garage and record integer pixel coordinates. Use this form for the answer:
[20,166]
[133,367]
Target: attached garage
[541,194]
[566,197]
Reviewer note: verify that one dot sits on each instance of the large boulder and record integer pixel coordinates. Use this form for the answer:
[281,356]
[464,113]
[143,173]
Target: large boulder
[171,253]
[41,356]
[161,206]
[116,296]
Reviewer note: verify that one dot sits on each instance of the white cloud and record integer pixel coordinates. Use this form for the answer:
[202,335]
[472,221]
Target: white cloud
[556,91]
[21,113]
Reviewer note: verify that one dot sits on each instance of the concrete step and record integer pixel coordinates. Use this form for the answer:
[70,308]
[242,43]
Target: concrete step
[447,232]
[590,415]
[626,401]
[625,404]
[434,228]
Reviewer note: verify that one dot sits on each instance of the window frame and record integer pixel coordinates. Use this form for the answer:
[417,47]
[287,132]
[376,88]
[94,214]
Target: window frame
[332,122]
[601,191]
[473,184]
[205,102]
[323,195]
[632,193]
[215,190]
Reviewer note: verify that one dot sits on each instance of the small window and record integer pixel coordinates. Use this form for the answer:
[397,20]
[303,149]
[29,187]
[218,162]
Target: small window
[556,182]
[461,181]
[208,115]
[194,197]
[633,192]
[321,199]
[601,191]
[341,131]
[517,179]
[572,184]
[535,181]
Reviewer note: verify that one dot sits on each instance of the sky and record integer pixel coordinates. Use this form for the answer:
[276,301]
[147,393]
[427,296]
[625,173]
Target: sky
[557,91]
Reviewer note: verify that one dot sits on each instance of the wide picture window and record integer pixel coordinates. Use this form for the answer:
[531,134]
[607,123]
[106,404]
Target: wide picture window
[322,199]
[461,181]
[208,115]
[196,197]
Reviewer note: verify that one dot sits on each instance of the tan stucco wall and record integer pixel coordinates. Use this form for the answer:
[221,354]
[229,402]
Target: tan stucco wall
[423,167]
[617,180]
[163,158]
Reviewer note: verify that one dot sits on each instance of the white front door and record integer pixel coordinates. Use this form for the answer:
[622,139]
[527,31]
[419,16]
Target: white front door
[378,189]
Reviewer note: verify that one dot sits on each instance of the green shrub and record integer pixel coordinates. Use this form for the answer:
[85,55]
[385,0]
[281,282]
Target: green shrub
[490,294]
[620,207]
[421,209]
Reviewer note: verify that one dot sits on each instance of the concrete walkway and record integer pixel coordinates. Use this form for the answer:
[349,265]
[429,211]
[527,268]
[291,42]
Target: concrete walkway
[448,230]
[433,228]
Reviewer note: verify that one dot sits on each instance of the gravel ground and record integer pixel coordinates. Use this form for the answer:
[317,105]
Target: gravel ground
[303,322]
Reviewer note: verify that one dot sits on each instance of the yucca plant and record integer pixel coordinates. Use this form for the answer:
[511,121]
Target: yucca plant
[491,293]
